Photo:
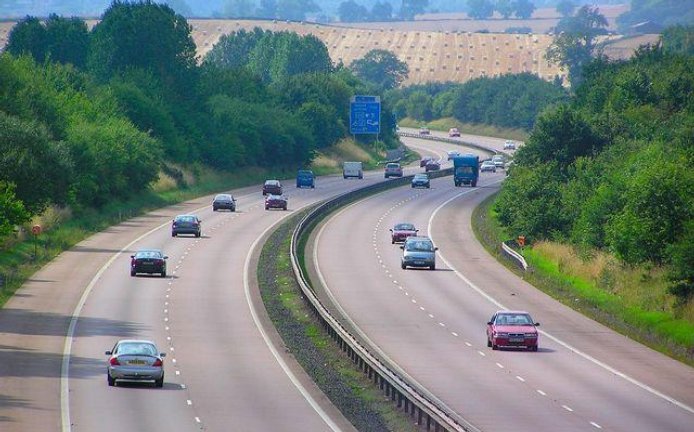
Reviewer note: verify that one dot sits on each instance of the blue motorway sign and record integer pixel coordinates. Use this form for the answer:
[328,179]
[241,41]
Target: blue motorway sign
[365,115]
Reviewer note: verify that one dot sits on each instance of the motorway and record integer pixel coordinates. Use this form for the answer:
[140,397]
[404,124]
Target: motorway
[431,324]
[226,367]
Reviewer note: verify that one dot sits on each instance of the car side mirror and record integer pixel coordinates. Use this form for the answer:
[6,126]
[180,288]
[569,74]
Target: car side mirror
[166,257]
[537,324]
[436,248]
[391,230]
[132,256]
[162,354]
[402,247]
[490,323]
[416,230]
[108,353]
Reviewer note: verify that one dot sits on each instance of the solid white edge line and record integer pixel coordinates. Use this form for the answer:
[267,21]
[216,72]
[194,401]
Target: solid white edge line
[66,424]
[246,287]
[553,338]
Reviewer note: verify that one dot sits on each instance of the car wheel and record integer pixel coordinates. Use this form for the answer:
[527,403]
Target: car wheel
[159,383]
[403,266]
[313,186]
[173,234]
[495,347]
[489,343]
[197,234]
[432,267]
[284,208]
[267,208]
[474,184]
[111,381]
[214,209]
[163,274]
[533,348]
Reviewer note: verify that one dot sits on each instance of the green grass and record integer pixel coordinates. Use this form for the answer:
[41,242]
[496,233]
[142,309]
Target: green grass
[659,329]
[444,124]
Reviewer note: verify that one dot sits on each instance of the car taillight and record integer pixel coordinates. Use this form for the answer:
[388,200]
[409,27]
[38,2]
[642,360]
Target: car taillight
[114,361]
[174,225]
[157,363]
[160,261]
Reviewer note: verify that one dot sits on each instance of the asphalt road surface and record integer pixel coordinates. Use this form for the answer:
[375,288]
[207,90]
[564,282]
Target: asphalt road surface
[432,324]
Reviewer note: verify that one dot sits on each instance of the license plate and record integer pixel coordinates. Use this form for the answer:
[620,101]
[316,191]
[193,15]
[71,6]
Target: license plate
[515,339]
[136,362]
[419,262]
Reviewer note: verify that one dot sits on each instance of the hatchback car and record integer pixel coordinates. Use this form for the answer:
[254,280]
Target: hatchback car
[135,360]
[453,132]
[421,181]
[400,232]
[432,165]
[272,187]
[512,329]
[393,170]
[509,145]
[186,224]
[150,261]
[424,161]
[305,178]
[488,166]
[424,131]
[418,252]
[276,201]
[224,201]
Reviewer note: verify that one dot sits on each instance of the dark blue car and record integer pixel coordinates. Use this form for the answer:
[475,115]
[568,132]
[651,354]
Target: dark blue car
[305,178]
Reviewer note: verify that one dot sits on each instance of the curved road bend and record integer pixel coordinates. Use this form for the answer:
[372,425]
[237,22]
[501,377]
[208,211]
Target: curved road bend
[585,377]
[221,373]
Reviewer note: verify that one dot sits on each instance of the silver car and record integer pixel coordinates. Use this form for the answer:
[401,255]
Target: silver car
[135,360]
[418,252]
[488,166]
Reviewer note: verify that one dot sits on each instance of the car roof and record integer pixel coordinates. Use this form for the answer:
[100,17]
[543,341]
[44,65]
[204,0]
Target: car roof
[271,181]
[148,250]
[185,215]
[418,238]
[512,312]
[223,195]
[135,341]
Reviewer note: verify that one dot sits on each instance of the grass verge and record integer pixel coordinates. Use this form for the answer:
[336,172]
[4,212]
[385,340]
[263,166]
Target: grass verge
[659,329]
[348,388]
[446,123]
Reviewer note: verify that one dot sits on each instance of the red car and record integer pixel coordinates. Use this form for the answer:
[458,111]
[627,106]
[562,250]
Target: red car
[275,201]
[401,231]
[425,161]
[512,329]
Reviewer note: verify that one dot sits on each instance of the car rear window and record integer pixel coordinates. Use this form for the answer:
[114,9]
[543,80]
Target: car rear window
[419,246]
[136,348]
[404,227]
[186,219]
[148,254]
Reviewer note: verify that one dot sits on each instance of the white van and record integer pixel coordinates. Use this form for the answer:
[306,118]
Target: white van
[352,169]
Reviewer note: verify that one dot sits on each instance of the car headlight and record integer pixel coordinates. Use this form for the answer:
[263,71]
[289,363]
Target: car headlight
[531,335]
[501,334]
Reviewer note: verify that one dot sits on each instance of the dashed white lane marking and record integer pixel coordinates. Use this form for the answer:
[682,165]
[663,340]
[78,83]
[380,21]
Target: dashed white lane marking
[173,360]
[481,353]
[541,392]
[178,372]
[500,365]
[595,425]
[468,344]
[171,348]
[442,324]
[189,402]
[520,378]
[454,334]
[183,386]
[431,316]
[421,307]
[414,301]
[568,408]
[197,419]
[166,328]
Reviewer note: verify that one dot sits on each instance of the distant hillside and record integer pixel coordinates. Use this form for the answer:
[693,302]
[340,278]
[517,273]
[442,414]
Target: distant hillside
[431,55]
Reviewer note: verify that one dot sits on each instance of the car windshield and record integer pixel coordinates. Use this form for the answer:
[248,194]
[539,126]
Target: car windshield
[391,166]
[148,254]
[404,227]
[419,246]
[305,174]
[420,177]
[137,348]
[513,319]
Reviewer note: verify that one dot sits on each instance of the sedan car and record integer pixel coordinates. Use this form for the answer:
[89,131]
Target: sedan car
[424,161]
[224,201]
[432,165]
[400,232]
[499,161]
[418,252]
[393,170]
[488,166]
[150,261]
[275,201]
[424,131]
[421,181]
[453,132]
[186,224]
[135,360]
[272,187]
[509,145]
[512,329]
[452,154]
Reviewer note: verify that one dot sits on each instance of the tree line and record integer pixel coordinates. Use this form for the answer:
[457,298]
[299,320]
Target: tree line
[511,101]
[91,116]
[611,169]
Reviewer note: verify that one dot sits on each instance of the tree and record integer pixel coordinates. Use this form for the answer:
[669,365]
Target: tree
[351,11]
[382,68]
[67,40]
[410,8]
[566,7]
[504,7]
[679,39]
[233,49]
[280,55]
[12,211]
[524,8]
[480,9]
[419,106]
[575,46]
[148,36]
[28,37]
[382,11]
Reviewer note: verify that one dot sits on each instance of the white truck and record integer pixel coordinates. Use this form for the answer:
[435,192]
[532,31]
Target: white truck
[352,169]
